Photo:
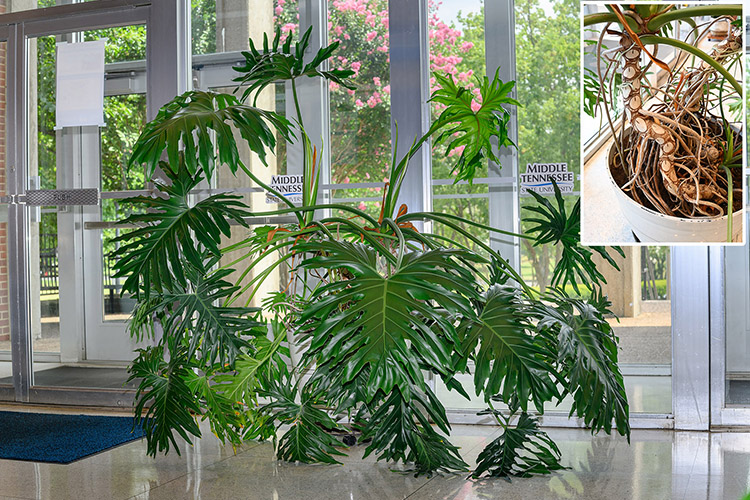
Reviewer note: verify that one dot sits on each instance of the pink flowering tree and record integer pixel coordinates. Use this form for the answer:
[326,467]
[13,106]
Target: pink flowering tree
[360,119]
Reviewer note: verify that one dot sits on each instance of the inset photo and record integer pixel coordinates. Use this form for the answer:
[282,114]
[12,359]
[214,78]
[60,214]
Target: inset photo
[662,123]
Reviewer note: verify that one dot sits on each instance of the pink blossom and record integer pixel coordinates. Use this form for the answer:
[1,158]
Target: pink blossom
[376,80]
[387,89]
[370,19]
[355,66]
[333,86]
[475,106]
[346,36]
[288,28]
[279,10]
[281,3]
[371,35]
[367,176]
[457,151]
[466,46]
[382,48]
[350,91]
[374,100]
[361,205]
[359,103]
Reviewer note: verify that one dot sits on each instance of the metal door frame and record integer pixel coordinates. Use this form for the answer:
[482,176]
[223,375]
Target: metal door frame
[167,67]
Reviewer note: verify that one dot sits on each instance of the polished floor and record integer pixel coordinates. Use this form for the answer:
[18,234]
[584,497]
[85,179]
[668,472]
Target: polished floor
[656,465]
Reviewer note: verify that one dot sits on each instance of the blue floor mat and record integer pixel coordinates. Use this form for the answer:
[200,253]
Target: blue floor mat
[62,439]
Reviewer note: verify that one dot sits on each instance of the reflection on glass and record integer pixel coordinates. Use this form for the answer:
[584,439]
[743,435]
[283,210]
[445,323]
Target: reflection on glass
[59,346]
[5,365]
[737,285]
[360,119]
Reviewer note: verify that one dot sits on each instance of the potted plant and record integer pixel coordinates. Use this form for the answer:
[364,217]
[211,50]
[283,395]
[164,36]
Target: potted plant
[372,305]
[676,157]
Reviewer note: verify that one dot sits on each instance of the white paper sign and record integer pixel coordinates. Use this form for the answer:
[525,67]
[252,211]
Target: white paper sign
[538,178]
[288,185]
[80,84]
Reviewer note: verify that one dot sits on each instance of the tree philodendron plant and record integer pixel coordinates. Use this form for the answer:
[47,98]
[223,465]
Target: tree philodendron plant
[373,306]
[676,150]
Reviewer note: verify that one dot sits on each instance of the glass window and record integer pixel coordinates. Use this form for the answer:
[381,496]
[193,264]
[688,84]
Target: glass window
[360,119]
[457,48]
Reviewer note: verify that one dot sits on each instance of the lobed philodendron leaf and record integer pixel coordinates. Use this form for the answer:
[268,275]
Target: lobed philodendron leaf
[373,318]
[308,437]
[194,314]
[553,225]
[509,360]
[165,403]
[401,430]
[278,62]
[519,451]
[460,126]
[170,230]
[587,355]
[202,124]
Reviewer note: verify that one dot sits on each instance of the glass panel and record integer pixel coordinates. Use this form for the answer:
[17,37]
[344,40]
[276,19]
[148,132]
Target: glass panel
[456,32]
[737,286]
[221,30]
[5,364]
[360,119]
[68,328]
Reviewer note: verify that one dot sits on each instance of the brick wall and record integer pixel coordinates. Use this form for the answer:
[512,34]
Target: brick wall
[4,314]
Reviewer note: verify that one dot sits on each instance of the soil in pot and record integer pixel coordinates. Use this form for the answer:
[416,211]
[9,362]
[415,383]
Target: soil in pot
[649,190]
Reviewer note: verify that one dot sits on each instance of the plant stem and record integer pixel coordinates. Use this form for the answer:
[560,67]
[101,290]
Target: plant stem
[657,40]
[730,203]
[657,22]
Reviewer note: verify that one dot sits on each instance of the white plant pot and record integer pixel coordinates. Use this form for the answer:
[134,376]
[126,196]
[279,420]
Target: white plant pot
[654,227]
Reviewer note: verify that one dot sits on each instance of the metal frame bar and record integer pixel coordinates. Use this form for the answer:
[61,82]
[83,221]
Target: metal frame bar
[410,89]
[17,230]
[500,55]
[68,10]
[691,328]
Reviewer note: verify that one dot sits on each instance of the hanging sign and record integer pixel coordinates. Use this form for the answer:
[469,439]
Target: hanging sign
[288,185]
[80,84]
[538,178]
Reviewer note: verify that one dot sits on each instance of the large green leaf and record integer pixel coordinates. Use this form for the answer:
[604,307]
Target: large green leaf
[165,392]
[510,360]
[307,439]
[243,382]
[171,229]
[194,314]
[278,62]
[373,318]
[553,227]
[459,126]
[401,430]
[520,451]
[187,123]
[587,355]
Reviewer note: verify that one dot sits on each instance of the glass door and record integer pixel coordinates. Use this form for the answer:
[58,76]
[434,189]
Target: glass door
[63,337]
[6,367]
[78,326]
[730,348]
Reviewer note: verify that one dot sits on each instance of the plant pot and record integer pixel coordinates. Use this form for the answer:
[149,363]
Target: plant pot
[652,226]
